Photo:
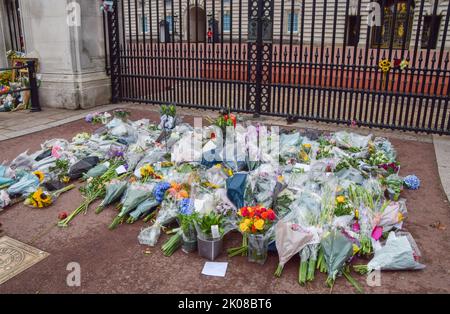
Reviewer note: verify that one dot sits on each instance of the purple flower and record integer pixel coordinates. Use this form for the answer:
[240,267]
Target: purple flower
[89,118]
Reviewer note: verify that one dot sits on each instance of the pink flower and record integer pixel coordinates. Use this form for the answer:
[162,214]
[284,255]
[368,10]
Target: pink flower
[354,124]
[377,232]
[55,151]
[356,227]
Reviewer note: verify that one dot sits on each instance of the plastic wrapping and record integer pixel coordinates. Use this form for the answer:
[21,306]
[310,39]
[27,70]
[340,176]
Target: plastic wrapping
[348,140]
[144,208]
[397,254]
[82,166]
[27,184]
[150,235]
[290,145]
[236,189]
[337,250]
[4,199]
[22,161]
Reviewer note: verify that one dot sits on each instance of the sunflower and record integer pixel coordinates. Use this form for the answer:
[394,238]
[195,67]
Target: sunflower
[40,199]
[40,175]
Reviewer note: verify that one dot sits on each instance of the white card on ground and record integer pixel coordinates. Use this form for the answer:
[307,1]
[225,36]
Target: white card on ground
[120,170]
[217,269]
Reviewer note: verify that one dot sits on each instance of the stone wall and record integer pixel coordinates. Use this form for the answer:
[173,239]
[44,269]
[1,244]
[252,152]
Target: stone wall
[71,57]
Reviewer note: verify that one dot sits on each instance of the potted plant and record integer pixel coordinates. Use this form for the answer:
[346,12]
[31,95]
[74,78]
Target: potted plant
[209,235]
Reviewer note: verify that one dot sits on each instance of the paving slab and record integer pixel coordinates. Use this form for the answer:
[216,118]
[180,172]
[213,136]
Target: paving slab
[114,262]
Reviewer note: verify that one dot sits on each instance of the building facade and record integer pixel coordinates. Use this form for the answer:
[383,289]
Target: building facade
[308,21]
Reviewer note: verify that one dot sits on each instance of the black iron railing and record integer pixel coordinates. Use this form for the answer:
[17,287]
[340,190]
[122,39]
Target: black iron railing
[302,59]
[33,85]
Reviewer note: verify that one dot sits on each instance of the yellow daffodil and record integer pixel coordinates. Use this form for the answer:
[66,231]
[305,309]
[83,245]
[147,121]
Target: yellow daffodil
[40,175]
[356,214]
[230,172]
[259,224]
[243,227]
[400,217]
[340,199]
[307,145]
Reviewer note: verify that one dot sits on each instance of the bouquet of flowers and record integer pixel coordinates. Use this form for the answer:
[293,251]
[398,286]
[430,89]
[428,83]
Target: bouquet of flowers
[256,228]
[168,117]
[41,198]
[114,190]
[95,188]
[169,196]
[186,218]
[136,193]
[121,114]
[28,183]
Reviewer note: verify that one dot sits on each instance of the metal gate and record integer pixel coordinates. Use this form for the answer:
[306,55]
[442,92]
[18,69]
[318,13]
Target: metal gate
[379,64]
[13,24]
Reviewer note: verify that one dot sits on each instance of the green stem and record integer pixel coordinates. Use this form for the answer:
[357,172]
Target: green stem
[99,209]
[278,271]
[353,282]
[311,269]
[65,222]
[172,244]
[361,269]
[302,272]
[63,190]
[115,222]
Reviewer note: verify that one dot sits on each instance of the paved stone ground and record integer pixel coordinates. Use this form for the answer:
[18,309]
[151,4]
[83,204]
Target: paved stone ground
[113,261]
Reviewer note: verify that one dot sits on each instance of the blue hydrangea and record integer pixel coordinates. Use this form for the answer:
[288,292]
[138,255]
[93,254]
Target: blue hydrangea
[186,206]
[160,191]
[412,182]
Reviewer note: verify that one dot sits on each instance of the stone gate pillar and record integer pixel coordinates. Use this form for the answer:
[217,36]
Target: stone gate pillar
[3,38]
[67,37]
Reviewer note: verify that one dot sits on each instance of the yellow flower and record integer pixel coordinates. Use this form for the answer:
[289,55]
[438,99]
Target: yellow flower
[65,179]
[356,214]
[280,179]
[41,199]
[307,145]
[259,224]
[243,227]
[355,249]
[304,156]
[340,199]
[146,171]
[400,217]
[230,172]
[248,222]
[40,175]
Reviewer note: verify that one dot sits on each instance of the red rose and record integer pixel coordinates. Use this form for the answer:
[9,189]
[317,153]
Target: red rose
[62,215]
[270,214]
[244,212]
[213,135]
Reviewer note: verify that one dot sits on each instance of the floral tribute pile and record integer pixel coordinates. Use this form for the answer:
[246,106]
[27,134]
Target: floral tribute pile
[327,199]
